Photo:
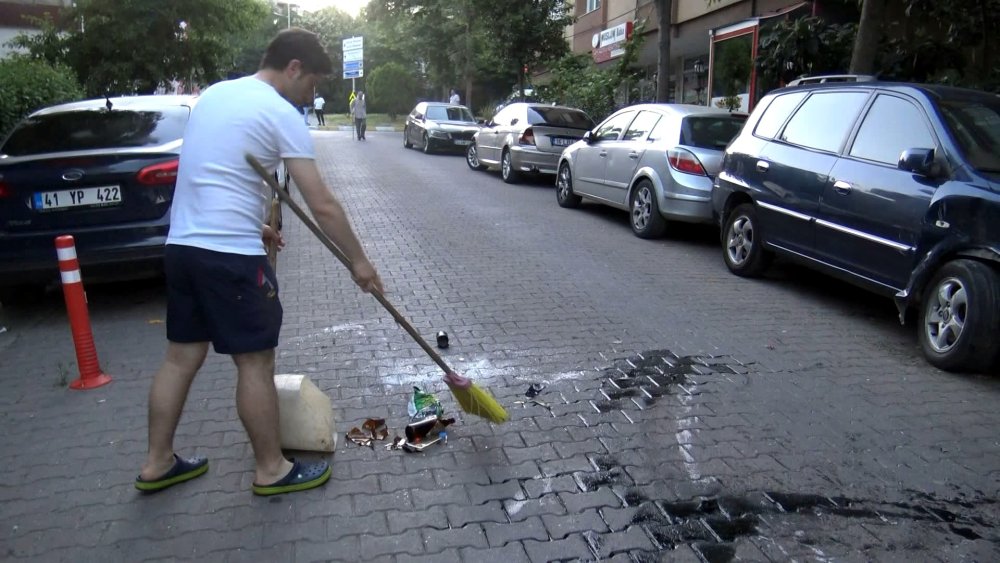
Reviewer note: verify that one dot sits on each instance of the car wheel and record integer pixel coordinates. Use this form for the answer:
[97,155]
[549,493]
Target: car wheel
[406,139]
[743,246]
[961,317]
[564,188]
[645,213]
[427,144]
[507,172]
[472,157]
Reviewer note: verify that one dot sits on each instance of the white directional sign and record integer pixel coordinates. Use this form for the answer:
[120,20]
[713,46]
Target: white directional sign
[354,57]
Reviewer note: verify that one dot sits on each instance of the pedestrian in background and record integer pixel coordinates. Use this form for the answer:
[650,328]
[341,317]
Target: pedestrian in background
[360,111]
[318,104]
[454,97]
[220,288]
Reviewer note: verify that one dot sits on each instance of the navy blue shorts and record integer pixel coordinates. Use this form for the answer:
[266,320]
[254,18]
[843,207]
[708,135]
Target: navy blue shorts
[230,300]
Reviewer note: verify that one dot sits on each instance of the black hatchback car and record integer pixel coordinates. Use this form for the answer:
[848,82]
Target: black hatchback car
[893,187]
[100,170]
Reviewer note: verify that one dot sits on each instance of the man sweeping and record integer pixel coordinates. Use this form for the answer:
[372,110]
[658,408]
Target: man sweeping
[220,287]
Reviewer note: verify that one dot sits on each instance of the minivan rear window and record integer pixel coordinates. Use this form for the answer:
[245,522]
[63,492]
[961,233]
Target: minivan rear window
[710,131]
[776,114]
[81,130]
[559,117]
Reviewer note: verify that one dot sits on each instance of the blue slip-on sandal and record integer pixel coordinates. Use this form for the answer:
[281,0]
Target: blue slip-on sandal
[183,470]
[302,476]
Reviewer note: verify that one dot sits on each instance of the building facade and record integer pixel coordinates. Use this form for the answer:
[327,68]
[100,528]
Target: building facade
[708,43]
[16,18]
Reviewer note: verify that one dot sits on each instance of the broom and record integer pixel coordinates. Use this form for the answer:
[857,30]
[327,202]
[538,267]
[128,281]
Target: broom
[472,398]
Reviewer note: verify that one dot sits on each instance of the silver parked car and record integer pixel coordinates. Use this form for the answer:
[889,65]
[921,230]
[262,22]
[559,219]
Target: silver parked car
[656,161]
[526,137]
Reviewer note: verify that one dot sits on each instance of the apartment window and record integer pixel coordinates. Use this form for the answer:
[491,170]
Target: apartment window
[593,5]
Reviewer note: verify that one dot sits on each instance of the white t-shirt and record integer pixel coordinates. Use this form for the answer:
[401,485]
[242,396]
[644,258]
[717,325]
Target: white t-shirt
[220,202]
[454,99]
[319,102]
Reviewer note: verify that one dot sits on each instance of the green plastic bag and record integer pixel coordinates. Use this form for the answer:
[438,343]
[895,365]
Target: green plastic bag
[422,405]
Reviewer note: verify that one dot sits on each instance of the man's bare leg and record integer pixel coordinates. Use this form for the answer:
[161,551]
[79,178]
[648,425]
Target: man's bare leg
[166,403]
[257,405]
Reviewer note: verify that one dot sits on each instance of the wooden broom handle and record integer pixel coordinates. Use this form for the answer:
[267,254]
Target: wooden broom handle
[400,319]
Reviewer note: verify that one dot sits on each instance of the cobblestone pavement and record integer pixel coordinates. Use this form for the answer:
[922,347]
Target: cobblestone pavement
[687,415]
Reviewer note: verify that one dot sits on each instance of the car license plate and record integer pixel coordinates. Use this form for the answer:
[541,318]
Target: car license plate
[80,197]
[463,142]
[561,142]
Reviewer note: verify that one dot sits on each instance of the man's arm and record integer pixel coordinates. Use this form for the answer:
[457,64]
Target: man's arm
[333,220]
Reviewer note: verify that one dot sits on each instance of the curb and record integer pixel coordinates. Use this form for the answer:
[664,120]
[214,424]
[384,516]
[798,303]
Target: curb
[386,128]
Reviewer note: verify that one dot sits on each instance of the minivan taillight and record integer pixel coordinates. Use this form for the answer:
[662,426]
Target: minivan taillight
[159,174]
[5,190]
[685,161]
[527,138]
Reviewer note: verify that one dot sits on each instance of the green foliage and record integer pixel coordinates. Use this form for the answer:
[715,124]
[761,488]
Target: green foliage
[812,46]
[131,46]
[578,83]
[392,89]
[333,26]
[26,86]
[943,41]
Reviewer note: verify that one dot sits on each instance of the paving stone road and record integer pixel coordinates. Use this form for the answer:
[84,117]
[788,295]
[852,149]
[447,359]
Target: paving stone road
[688,415]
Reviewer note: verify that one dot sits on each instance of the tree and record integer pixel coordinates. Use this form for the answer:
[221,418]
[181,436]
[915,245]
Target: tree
[664,17]
[131,46]
[869,35]
[523,34]
[27,85]
[392,89]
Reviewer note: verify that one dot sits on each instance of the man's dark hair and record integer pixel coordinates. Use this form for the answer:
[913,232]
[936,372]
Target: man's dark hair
[297,43]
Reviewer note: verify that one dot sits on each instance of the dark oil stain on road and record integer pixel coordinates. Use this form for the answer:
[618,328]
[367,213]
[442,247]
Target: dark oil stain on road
[712,526]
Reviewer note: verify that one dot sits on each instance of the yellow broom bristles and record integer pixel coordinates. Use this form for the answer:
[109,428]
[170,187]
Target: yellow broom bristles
[478,401]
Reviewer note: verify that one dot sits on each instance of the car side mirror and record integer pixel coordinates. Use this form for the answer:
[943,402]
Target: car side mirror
[918,161]
[588,138]
[481,121]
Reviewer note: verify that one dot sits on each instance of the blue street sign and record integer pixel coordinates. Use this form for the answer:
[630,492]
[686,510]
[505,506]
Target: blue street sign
[353,65]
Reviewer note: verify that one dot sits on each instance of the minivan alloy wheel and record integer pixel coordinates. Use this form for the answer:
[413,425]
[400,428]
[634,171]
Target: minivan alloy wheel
[961,316]
[739,240]
[946,315]
[742,244]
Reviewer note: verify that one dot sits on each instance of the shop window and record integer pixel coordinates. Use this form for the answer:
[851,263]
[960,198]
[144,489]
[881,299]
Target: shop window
[731,69]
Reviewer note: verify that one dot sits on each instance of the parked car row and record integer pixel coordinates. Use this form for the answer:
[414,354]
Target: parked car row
[892,187]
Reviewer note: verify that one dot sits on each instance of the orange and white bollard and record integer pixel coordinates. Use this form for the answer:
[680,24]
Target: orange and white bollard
[79,319]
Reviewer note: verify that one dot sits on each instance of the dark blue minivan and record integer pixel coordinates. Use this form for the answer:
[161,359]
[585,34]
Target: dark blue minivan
[894,187]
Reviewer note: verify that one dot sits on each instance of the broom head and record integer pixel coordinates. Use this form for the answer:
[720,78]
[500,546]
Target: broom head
[478,401]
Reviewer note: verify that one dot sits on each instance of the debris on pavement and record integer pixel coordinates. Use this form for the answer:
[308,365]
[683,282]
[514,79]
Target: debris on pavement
[534,390]
[396,443]
[442,339]
[371,430]
[422,405]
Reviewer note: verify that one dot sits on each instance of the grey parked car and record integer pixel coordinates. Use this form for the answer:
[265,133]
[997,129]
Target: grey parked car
[526,137]
[657,161]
